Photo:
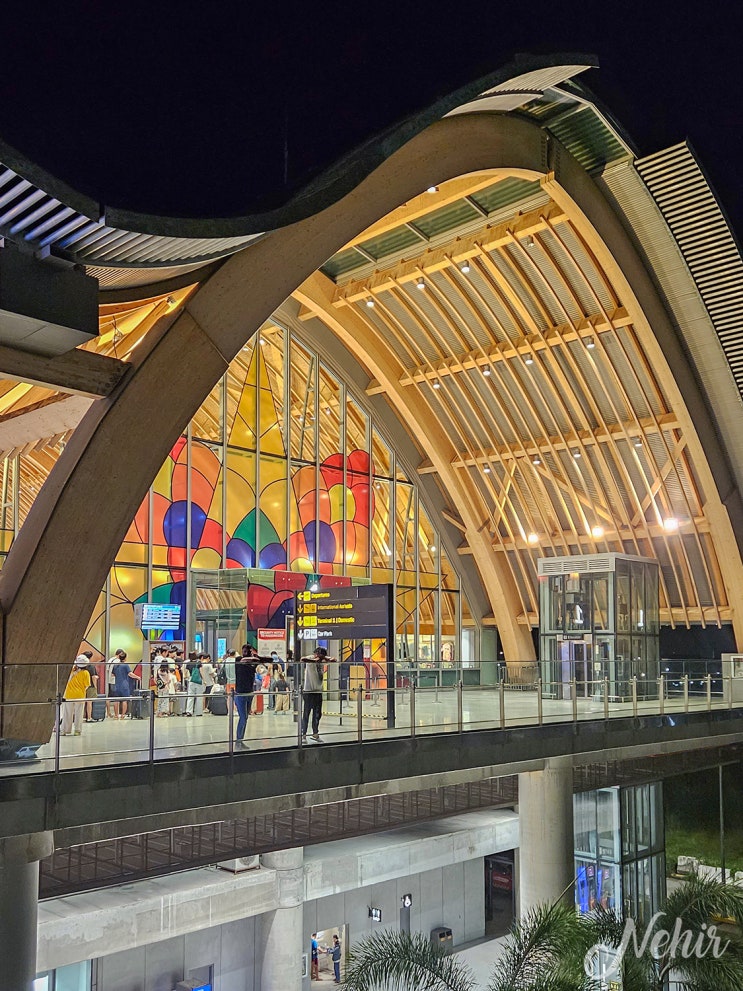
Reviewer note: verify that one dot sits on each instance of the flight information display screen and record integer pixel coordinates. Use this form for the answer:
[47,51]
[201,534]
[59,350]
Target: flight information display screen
[157,615]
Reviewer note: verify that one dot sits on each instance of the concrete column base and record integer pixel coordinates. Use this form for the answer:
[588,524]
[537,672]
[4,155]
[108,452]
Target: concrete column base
[19,900]
[546,845]
[282,929]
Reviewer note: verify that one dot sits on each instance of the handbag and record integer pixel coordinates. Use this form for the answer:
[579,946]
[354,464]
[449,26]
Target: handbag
[90,692]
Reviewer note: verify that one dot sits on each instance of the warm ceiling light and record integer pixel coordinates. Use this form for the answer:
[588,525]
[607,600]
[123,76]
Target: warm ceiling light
[432,189]
[421,283]
[486,469]
[464,267]
[533,538]
[671,524]
[530,241]
[597,532]
[536,461]
[432,548]
[576,454]
[528,360]
[590,343]
[436,384]
[486,371]
[370,303]
[638,442]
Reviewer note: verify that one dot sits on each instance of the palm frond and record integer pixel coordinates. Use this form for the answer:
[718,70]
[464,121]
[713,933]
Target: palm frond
[395,961]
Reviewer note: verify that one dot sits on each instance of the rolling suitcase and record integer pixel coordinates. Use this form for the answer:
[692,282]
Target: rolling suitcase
[98,709]
[217,703]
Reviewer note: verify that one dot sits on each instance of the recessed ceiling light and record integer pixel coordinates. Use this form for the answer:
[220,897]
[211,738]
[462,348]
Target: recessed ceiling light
[370,303]
[530,241]
[597,532]
[576,455]
[533,538]
[486,469]
[536,461]
[436,384]
[421,283]
[638,442]
[464,267]
[590,343]
[671,524]
[528,360]
[432,189]
[432,548]
[486,371]
[261,340]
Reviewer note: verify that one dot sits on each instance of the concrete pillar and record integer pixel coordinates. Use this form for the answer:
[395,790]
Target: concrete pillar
[281,931]
[19,900]
[546,846]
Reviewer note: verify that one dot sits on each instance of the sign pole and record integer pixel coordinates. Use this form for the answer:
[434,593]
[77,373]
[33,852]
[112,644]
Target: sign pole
[389,646]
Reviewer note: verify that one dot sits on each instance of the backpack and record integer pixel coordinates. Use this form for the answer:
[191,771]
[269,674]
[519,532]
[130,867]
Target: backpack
[196,675]
[222,676]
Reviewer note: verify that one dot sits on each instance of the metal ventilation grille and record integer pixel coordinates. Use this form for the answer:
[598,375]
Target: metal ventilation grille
[693,214]
[29,215]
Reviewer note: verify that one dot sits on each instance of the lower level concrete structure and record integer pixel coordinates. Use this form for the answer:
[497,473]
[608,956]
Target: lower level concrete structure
[152,934]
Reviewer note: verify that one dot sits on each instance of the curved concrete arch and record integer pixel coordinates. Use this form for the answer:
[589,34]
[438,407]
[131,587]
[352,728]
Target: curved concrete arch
[59,562]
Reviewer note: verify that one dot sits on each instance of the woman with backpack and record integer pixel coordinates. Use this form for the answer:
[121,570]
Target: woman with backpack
[195,700]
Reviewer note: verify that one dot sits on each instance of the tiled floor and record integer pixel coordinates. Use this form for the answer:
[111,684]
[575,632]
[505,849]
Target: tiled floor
[123,741]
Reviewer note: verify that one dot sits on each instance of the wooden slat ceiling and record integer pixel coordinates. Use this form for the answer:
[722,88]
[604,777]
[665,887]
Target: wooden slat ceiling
[528,354]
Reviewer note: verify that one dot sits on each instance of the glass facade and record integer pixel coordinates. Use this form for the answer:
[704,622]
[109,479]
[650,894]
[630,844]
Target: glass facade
[284,473]
[620,850]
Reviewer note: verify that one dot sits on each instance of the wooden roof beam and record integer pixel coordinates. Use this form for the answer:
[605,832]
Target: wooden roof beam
[585,438]
[554,337]
[77,372]
[429,260]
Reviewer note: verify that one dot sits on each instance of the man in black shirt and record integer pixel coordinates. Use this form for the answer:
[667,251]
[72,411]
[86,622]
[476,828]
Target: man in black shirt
[244,684]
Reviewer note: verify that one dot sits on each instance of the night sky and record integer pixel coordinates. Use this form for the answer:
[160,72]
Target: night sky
[153,108]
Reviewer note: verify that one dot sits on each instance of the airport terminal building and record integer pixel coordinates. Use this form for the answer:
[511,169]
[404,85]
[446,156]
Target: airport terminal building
[497,380]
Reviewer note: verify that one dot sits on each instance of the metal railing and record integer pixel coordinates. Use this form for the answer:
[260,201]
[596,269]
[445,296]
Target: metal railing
[195,724]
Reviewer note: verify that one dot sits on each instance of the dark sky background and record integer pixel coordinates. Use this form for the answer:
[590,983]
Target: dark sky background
[165,109]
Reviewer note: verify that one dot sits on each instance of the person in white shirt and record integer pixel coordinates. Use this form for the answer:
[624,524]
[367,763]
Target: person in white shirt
[208,677]
[111,682]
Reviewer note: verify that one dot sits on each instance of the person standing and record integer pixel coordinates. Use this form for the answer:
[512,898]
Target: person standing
[111,681]
[244,688]
[314,668]
[92,691]
[208,678]
[282,694]
[74,695]
[314,959]
[195,701]
[162,680]
[122,685]
[335,953]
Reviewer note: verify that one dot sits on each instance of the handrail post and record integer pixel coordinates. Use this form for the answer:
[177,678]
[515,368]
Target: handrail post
[412,707]
[57,742]
[360,715]
[686,693]
[606,698]
[540,714]
[730,692]
[502,704]
[153,698]
[574,697]
[634,695]
[662,693]
[300,708]
[460,710]
[231,727]
[709,691]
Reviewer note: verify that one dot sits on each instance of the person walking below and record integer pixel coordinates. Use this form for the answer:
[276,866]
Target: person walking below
[111,682]
[312,687]
[244,687]
[195,700]
[335,953]
[74,695]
